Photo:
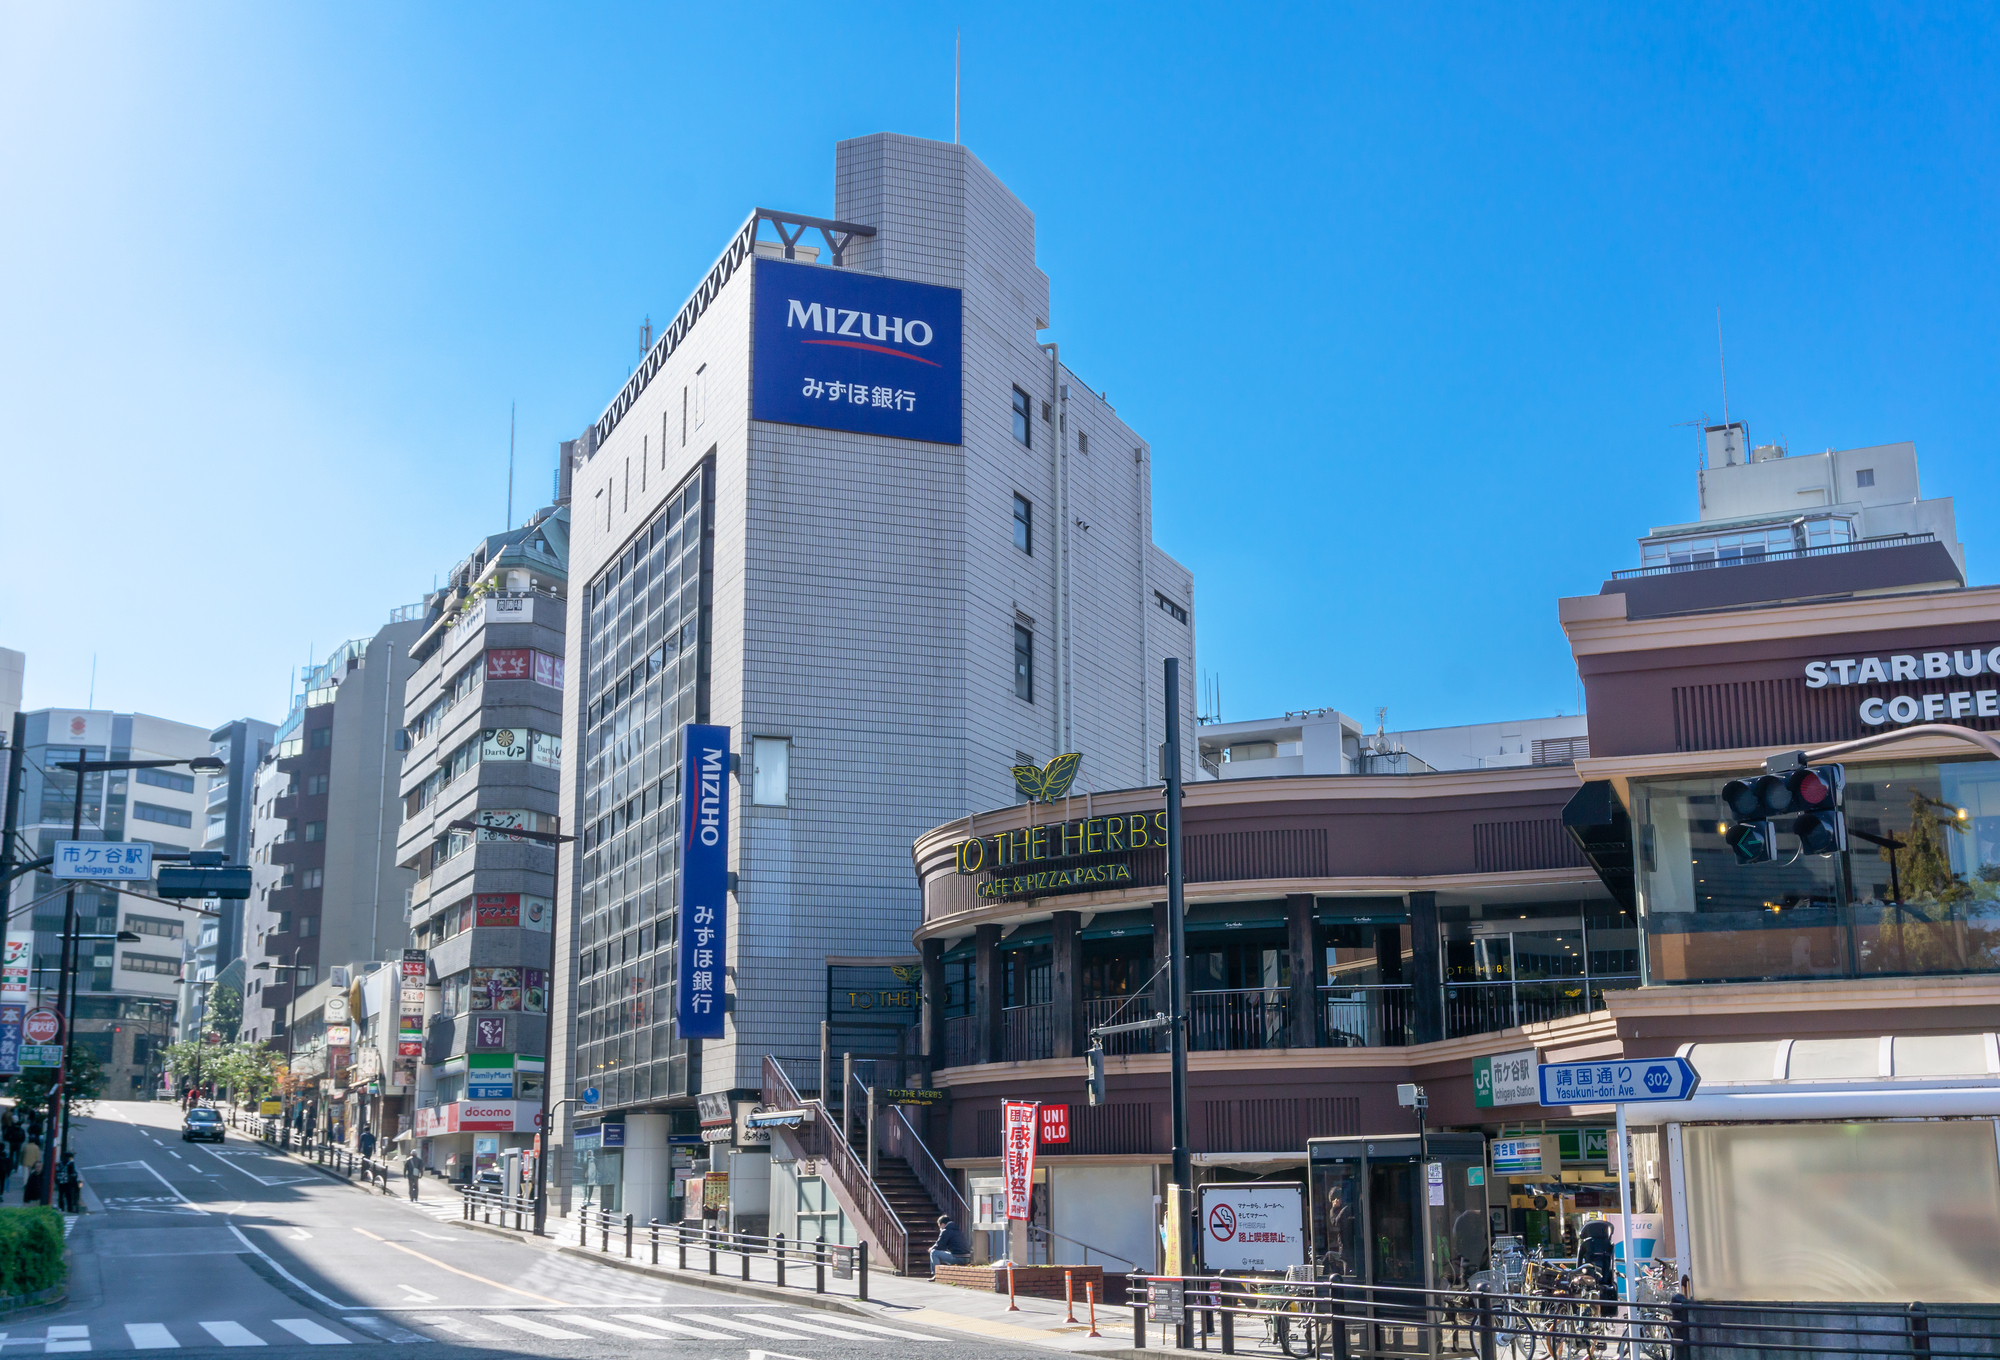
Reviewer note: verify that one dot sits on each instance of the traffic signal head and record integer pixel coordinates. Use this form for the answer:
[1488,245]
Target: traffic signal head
[1821,826]
[1753,842]
[1094,1082]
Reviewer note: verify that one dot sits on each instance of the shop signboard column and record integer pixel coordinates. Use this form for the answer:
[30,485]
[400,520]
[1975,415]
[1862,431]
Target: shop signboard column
[1020,1124]
[704,881]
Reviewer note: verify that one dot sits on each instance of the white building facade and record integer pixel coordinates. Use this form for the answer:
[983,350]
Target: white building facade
[853,509]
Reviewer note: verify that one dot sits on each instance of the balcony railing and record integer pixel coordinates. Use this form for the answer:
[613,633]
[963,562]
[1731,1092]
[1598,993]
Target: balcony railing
[1753,559]
[1028,1032]
[961,1041]
[1364,1016]
[1250,1018]
[1116,1010]
[1487,1007]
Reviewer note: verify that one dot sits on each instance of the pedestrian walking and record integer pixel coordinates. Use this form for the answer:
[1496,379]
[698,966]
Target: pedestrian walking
[69,1187]
[413,1169]
[367,1142]
[31,1162]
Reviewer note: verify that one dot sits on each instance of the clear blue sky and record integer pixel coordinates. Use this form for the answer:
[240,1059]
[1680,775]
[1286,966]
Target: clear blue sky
[1407,301]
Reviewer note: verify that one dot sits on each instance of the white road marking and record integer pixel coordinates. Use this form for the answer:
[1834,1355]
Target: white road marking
[600,1325]
[271,1261]
[402,1336]
[666,1326]
[419,1295]
[176,1189]
[754,1330]
[533,1328]
[300,1234]
[824,1330]
[454,1326]
[310,1332]
[232,1334]
[435,1238]
[844,1321]
[151,1336]
[67,1339]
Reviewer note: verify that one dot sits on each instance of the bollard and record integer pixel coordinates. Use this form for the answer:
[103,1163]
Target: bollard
[780,1241]
[1069,1296]
[653,1231]
[603,1231]
[1138,1326]
[861,1268]
[1228,1318]
[583,1227]
[819,1267]
[628,1237]
[710,1234]
[681,1240]
[1090,1295]
[743,1251]
[1920,1332]
[1339,1326]
[1012,1306]
[1484,1325]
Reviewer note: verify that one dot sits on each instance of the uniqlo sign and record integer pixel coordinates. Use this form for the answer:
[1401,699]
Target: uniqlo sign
[1055,1123]
[1018,1122]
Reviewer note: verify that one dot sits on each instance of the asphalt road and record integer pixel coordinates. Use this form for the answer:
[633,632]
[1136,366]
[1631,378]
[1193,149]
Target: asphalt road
[204,1248]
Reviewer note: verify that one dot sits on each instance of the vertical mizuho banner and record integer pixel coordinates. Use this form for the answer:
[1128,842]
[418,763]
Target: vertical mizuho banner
[842,350]
[704,905]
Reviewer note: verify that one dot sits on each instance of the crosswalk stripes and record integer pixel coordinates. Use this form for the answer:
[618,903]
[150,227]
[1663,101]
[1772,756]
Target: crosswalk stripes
[567,1324]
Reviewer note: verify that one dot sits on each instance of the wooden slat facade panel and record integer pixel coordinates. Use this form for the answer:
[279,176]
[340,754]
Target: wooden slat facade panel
[1510,847]
[1785,712]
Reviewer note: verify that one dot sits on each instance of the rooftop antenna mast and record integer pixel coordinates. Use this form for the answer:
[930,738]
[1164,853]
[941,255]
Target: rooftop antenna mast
[1722,360]
[957,70]
[510,465]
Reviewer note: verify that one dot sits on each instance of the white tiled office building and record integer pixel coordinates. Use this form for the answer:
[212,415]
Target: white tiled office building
[885,624]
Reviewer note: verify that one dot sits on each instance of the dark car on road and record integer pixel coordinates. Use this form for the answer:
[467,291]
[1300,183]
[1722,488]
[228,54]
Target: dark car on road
[201,1122]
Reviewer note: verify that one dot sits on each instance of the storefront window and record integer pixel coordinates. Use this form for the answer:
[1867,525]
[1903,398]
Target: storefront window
[1508,964]
[1929,903]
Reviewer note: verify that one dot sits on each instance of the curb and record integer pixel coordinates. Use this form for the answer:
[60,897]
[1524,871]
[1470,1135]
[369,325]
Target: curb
[54,1296]
[770,1293]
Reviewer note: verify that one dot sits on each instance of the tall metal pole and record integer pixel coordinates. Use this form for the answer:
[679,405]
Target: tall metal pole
[65,997]
[1177,934]
[548,1049]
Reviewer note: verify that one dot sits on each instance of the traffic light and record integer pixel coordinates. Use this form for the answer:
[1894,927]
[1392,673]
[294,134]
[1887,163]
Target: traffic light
[1094,1083]
[206,876]
[1817,792]
[1749,832]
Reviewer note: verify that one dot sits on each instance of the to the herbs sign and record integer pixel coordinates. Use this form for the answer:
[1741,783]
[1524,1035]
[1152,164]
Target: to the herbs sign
[704,887]
[843,350]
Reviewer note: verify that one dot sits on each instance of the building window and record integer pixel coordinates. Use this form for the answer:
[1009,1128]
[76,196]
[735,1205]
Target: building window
[1021,409]
[153,925]
[314,878]
[315,784]
[771,775]
[1024,525]
[315,831]
[308,927]
[322,737]
[1024,663]
[181,783]
[149,812]
[1168,606]
[1865,477]
[149,963]
[1082,442]
[305,977]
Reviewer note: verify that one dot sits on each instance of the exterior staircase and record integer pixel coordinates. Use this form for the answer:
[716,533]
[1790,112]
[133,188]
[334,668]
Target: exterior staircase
[913,1205]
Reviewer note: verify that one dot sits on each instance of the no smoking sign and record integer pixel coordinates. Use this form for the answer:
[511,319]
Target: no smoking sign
[1222,1222]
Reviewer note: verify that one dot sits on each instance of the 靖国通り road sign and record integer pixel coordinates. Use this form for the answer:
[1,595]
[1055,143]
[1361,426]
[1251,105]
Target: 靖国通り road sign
[1619,1081]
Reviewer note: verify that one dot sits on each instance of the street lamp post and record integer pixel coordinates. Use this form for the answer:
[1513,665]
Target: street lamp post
[291,1007]
[555,841]
[66,981]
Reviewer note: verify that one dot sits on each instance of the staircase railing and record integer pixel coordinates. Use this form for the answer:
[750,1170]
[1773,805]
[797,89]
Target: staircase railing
[899,1139]
[820,1138]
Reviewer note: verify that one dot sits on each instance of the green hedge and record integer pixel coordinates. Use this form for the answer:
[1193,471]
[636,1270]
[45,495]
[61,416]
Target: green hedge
[31,1249]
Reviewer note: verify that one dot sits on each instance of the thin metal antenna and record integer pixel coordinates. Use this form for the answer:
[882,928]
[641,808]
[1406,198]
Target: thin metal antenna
[957,72]
[510,465]
[91,702]
[1723,360]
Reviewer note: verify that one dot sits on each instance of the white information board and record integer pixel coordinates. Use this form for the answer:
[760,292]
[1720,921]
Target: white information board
[1253,1225]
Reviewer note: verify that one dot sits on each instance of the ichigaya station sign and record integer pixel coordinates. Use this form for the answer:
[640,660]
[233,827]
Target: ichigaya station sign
[1945,706]
[1011,855]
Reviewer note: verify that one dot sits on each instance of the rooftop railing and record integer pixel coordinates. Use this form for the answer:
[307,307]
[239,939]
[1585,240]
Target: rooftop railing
[1753,559]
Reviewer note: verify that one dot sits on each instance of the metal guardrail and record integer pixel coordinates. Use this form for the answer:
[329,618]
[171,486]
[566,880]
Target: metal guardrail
[1325,1319]
[481,1205]
[341,1161]
[1782,555]
[622,1233]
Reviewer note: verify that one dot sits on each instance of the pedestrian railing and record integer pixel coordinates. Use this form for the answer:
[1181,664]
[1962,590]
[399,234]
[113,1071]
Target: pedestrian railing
[790,1261]
[487,1206]
[341,1161]
[1338,1321]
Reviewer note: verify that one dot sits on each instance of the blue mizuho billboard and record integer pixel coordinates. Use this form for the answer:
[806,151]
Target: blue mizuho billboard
[704,888]
[857,352]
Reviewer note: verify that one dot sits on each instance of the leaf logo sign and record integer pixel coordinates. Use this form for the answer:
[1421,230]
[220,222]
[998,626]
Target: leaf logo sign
[1050,782]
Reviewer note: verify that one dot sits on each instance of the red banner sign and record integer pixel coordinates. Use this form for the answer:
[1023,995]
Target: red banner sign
[496,909]
[1018,1122]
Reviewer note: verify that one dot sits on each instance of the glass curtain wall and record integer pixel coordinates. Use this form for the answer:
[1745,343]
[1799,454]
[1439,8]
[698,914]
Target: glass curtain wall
[1526,963]
[1927,902]
[647,639]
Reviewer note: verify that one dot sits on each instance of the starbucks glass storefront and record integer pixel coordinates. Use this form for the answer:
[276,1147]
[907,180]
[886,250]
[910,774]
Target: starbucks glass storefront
[1928,902]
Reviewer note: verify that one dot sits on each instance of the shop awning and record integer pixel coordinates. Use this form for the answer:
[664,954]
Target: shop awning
[1763,1081]
[779,1119]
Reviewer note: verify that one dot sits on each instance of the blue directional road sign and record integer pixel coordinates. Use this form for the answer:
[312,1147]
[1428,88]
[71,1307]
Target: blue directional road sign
[1621,1081]
[589,1095]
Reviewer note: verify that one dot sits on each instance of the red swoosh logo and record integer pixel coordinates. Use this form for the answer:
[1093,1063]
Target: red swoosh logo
[879,349]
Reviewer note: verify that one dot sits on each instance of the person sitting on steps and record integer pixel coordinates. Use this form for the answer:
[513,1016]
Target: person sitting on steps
[952,1249]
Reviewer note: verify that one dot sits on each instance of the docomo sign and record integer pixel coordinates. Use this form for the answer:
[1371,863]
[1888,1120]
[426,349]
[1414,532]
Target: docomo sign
[1908,708]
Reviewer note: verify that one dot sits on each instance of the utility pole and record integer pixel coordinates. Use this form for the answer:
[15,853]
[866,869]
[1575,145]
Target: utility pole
[1177,935]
